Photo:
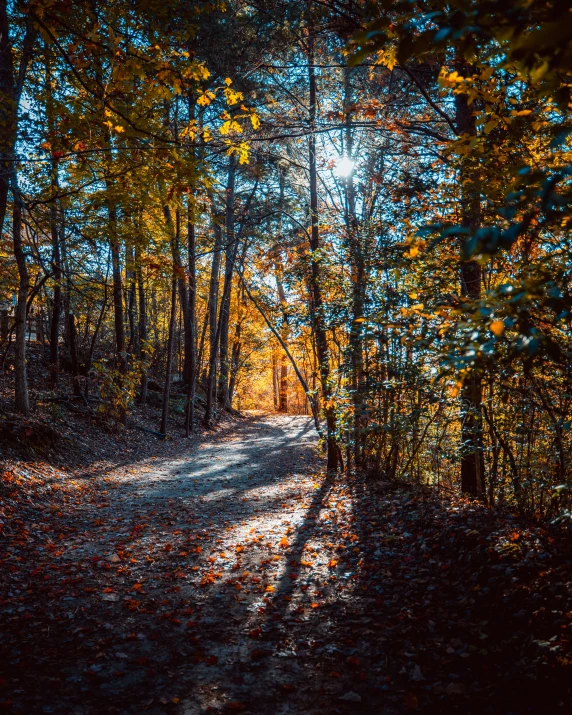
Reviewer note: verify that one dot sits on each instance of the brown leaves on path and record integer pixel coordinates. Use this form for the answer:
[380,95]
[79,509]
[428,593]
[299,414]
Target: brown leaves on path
[312,595]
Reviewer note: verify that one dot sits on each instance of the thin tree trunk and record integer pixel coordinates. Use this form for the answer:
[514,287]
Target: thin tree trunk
[93,342]
[230,258]
[131,302]
[168,369]
[472,457]
[117,289]
[54,228]
[73,353]
[142,329]
[192,252]
[235,362]
[283,377]
[275,388]
[212,318]
[174,228]
[11,85]
[57,295]
[21,402]
[316,300]
[358,277]
[8,111]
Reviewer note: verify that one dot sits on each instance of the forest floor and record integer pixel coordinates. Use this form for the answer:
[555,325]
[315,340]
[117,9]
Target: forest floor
[230,575]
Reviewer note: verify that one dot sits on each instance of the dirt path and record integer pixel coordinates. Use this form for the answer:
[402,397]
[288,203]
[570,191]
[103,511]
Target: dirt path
[233,577]
[155,583]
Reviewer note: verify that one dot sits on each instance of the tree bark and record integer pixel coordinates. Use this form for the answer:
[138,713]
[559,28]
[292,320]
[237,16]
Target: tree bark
[316,300]
[117,288]
[54,229]
[21,400]
[275,388]
[283,376]
[131,301]
[168,368]
[174,228]
[230,259]
[8,111]
[472,457]
[192,260]
[142,327]
[73,353]
[212,318]
[358,278]
[11,85]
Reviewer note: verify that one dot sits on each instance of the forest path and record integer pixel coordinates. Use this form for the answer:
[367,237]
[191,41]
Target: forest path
[160,574]
[232,576]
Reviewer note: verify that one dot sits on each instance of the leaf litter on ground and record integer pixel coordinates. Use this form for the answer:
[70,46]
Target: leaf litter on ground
[153,589]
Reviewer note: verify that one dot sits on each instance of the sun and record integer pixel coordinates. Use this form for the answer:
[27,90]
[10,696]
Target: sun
[344,167]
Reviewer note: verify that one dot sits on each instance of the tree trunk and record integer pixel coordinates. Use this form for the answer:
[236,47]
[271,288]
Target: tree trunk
[11,85]
[283,378]
[142,328]
[358,277]
[93,342]
[230,259]
[21,402]
[174,229]
[212,317]
[54,228]
[8,115]
[235,362]
[73,353]
[316,300]
[191,253]
[275,388]
[472,457]
[57,295]
[168,369]
[131,301]
[117,289]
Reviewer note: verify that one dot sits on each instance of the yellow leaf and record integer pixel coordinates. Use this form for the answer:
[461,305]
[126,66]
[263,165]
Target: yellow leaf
[228,81]
[497,328]
[490,125]
[119,129]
